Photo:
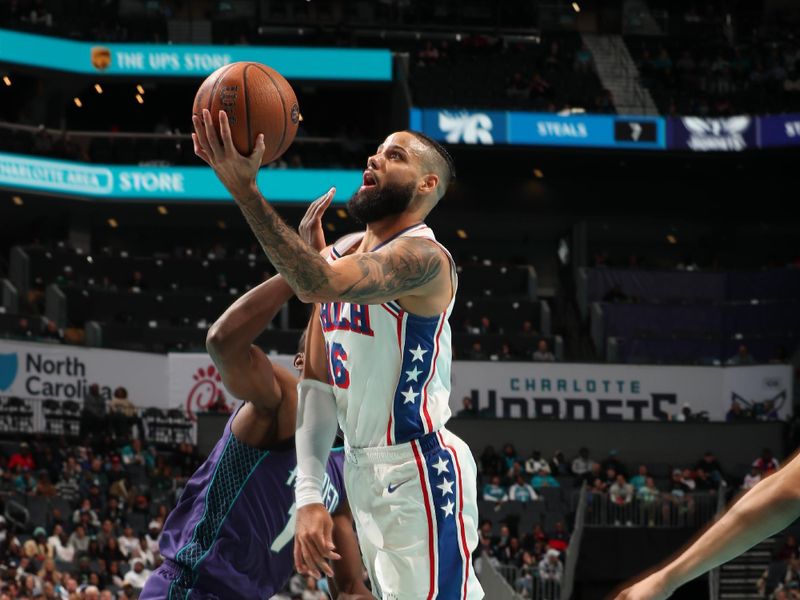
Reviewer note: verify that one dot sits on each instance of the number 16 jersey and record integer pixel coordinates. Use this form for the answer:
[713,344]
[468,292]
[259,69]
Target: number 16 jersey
[390,369]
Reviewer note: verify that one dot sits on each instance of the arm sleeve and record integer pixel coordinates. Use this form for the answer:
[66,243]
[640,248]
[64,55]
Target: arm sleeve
[314,435]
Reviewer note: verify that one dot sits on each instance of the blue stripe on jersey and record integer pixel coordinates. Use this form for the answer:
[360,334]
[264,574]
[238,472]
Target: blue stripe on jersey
[444,491]
[417,361]
[235,466]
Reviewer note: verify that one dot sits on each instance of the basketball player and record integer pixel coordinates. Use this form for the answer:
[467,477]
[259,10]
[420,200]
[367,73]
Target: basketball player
[380,355]
[231,533]
[770,506]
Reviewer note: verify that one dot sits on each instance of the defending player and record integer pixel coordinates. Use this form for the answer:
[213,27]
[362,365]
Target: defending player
[770,506]
[231,534]
[385,296]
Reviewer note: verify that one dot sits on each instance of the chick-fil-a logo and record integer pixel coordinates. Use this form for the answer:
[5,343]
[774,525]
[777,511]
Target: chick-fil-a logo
[204,393]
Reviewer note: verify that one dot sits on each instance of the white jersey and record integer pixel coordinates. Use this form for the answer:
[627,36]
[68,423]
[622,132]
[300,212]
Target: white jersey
[390,369]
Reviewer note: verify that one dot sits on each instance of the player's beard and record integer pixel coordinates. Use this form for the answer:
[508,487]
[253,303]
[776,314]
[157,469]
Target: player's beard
[376,203]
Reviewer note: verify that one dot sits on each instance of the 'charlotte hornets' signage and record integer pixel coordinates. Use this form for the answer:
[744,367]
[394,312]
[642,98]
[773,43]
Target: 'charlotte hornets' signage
[618,392]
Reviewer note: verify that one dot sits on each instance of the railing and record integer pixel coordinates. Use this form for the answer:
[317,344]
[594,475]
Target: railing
[574,548]
[714,574]
[26,416]
[495,579]
[664,510]
[140,148]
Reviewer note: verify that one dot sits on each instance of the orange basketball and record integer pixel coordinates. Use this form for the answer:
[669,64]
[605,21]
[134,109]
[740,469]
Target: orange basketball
[257,100]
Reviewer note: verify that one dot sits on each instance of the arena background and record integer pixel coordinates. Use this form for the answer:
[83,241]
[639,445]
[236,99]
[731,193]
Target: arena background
[623,220]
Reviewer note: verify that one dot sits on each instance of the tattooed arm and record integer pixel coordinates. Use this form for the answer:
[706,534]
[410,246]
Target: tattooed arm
[404,267]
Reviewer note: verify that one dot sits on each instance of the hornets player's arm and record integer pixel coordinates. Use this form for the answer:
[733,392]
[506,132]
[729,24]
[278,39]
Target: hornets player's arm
[246,371]
[770,506]
[347,582]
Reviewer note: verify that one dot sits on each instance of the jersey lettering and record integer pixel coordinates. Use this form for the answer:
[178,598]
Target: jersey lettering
[343,316]
[330,498]
[338,374]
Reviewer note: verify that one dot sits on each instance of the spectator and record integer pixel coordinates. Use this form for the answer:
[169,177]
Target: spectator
[137,576]
[37,548]
[559,537]
[582,464]
[543,353]
[543,479]
[132,454]
[789,548]
[528,571]
[469,410]
[25,483]
[550,568]
[558,464]
[766,463]
[79,540]
[128,542]
[752,478]
[536,463]
[106,532]
[121,404]
[45,487]
[494,492]
[63,550]
[685,415]
[710,465]
[736,413]
[621,495]
[522,491]
[505,352]
[512,552]
[137,283]
[93,416]
[153,536]
[219,405]
[477,353]
[312,592]
[742,357]
[648,496]
[640,478]
[510,457]
[23,459]
[491,462]
[702,482]
[612,462]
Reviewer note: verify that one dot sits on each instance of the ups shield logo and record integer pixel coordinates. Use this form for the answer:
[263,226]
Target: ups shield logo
[101,58]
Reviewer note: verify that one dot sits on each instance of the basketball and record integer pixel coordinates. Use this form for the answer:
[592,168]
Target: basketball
[257,99]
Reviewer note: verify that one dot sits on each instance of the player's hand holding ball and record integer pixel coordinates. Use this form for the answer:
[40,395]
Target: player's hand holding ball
[257,115]
[313,541]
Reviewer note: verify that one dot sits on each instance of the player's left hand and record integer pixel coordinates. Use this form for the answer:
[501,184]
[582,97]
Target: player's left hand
[653,587]
[310,228]
[313,541]
[236,171]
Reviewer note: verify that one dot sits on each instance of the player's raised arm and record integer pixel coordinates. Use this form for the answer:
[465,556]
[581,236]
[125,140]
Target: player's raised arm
[405,267]
[245,369]
[770,506]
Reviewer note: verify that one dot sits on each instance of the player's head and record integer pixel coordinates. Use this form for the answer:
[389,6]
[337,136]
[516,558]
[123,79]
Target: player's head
[408,172]
[300,357]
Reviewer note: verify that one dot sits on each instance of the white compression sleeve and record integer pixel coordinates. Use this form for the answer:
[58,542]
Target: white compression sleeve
[314,435]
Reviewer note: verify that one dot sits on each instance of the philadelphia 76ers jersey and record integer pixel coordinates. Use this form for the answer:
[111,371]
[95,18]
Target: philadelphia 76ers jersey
[390,369]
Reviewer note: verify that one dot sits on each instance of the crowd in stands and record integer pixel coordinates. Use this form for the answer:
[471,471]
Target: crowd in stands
[83,522]
[720,76]
[781,579]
